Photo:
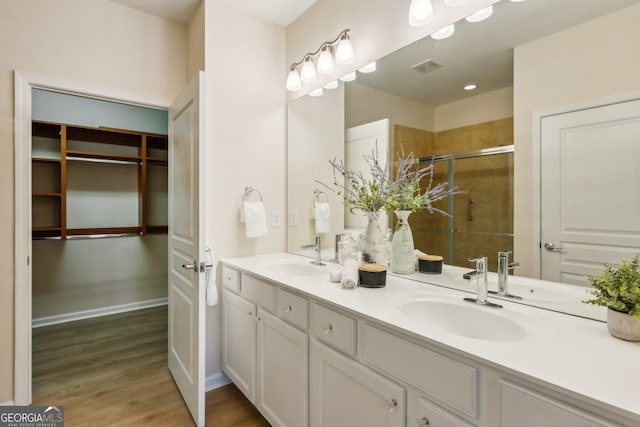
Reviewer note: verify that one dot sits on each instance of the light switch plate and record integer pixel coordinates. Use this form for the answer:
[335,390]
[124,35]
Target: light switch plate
[293,218]
[276,219]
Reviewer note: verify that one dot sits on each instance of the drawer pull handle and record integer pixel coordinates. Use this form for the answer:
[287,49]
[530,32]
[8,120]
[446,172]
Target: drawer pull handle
[328,329]
[288,309]
[391,405]
[422,422]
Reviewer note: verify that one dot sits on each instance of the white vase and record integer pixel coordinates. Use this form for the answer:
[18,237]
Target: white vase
[623,326]
[402,256]
[372,243]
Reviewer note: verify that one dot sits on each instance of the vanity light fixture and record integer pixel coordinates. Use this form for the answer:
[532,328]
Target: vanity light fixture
[420,13]
[480,15]
[349,77]
[516,1]
[316,92]
[308,70]
[369,68]
[470,86]
[331,85]
[305,71]
[443,33]
[454,3]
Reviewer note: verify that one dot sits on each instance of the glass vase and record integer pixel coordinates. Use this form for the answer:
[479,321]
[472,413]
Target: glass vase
[402,256]
[372,241]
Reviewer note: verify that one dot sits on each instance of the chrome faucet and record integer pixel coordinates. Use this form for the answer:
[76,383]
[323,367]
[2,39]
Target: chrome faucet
[317,245]
[503,274]
[480,274]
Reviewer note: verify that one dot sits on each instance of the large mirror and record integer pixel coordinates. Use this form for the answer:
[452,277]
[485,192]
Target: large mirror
[416,101]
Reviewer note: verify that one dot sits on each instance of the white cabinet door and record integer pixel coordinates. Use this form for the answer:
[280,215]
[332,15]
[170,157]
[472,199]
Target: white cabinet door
[344,393]
[239,332]
[423,413]
[520,407]
[282,372]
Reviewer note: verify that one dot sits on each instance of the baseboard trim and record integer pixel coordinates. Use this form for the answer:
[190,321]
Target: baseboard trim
[216,380]
[97,312]
[8,403]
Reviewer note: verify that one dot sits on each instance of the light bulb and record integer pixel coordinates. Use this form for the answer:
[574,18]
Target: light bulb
[308,71]
[420,13]
[344,51]
[316,92]
[441,34]
[516,1]
[349,77]
[331,85]
[369,68]
[480,15]
[454,3]
[293,80]
[325,61]
[470,86]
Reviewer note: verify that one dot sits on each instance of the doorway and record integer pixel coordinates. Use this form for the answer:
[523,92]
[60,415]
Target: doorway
[24,85]
[589,209]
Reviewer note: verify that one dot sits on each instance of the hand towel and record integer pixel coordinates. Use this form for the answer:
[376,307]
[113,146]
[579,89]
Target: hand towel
[255,219]
[210,277]
[349,273]
[322,214]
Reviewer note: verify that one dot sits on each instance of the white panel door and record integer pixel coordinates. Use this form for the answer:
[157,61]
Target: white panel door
[590,202]
[361,141]
[186,246]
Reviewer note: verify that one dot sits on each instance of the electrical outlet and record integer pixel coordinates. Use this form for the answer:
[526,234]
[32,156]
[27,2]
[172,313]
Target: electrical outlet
[293,218]
[276,219]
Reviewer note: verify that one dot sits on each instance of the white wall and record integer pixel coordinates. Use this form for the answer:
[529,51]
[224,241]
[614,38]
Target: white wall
[96,43]
[195,42]
[315,136]
[245,132]
[593,60]
[486,107]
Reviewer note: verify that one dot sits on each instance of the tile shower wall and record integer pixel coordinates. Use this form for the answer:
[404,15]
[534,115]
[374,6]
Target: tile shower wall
[482,220]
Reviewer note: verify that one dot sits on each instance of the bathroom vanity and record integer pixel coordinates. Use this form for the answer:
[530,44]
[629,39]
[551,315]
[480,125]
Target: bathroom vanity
[305,351]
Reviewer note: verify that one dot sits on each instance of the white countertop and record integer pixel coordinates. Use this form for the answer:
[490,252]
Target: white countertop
[571,354]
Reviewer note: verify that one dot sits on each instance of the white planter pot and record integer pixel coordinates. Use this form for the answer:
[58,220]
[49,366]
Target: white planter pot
[623,326]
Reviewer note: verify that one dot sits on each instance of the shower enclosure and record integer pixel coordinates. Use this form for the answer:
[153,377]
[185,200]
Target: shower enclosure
[480,221]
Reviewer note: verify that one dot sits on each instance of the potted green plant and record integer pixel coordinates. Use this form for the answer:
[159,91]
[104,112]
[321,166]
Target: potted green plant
[618,289]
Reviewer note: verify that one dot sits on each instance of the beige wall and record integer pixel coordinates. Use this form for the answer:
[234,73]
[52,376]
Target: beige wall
[98,43]
[246,134]
[494,105]
[590,61]
[195,42]
[378,27]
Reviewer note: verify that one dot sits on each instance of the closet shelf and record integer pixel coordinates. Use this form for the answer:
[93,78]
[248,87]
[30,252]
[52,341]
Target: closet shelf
[44,194]
[45,159]
[88,155]
[158,161]
[103,231]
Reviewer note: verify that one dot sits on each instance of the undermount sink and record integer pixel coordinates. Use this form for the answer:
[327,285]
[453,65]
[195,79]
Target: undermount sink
[294,269]
[453,315]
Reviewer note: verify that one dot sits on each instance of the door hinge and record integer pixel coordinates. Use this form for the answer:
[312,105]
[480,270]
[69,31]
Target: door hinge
[28,260]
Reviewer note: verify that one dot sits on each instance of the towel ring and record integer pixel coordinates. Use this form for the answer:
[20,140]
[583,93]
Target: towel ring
[248,191]
[317,195]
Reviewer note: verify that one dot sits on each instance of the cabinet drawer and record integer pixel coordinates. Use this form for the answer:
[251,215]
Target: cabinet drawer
[258,292]
[293,308]
[230,278]
[334,328]
[446,380]
[520,407]
[423,413]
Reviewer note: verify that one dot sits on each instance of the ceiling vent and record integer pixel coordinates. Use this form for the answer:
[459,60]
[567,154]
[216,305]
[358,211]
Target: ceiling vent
[427,66]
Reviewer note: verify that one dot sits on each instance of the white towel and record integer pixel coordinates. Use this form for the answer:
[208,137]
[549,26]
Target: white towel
[349,273]
[210,277]
[255,219]
[322,214]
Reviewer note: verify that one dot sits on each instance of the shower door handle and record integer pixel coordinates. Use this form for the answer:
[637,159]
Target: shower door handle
[469,214]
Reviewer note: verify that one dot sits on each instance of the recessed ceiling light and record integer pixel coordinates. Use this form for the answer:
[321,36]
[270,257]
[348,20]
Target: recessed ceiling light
[444,32]
[470,86]
[480,15]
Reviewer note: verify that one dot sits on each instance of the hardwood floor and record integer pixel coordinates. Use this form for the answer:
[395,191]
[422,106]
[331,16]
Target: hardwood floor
[112,371]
